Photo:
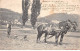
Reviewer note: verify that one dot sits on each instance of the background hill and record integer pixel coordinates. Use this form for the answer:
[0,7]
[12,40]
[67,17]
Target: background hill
[60,17]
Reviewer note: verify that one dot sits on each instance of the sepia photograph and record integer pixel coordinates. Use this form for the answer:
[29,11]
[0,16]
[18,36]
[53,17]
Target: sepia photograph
[39,24]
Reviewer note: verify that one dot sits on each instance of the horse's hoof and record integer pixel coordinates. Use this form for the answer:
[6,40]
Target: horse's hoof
[45,42]
[56,44]
[8,36]
[60,43]
[36,41]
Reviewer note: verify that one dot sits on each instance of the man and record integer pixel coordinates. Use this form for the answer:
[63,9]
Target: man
[9,28]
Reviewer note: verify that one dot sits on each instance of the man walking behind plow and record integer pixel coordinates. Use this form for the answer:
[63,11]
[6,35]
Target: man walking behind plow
[9,28]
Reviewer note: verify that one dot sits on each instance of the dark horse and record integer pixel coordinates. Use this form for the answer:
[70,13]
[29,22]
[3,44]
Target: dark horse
[73,25]
[43,29]
[64,23]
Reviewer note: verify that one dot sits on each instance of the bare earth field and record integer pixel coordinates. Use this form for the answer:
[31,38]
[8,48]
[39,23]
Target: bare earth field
[71,40]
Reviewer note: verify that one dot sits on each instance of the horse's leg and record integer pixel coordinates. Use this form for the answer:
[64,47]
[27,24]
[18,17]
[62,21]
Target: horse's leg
[9,34]
[45,37]
[56,38]
[74,28]
[39,36]
[61,39]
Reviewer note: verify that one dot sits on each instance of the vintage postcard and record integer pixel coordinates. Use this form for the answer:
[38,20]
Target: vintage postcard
[39,24]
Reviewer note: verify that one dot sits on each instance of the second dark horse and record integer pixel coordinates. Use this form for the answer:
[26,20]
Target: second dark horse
[47,30]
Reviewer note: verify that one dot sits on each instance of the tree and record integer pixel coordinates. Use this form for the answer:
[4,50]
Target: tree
[35,11]
[25,7]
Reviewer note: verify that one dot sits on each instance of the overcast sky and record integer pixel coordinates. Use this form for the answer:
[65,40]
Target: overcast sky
[16,6]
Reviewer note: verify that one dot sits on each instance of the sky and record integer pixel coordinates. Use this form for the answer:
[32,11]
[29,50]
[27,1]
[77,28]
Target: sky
[55,6]
[16,6]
